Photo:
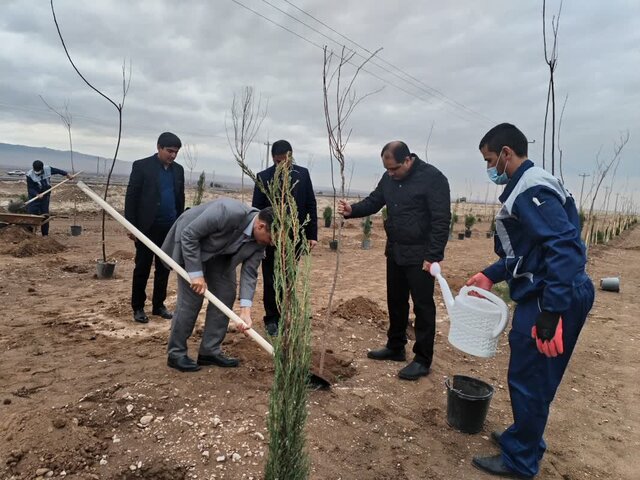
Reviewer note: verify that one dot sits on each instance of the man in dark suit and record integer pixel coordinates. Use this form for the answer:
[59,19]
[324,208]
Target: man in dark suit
[306,202]
[210,241]
[154,200]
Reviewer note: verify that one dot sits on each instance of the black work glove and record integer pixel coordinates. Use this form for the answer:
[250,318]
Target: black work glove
[546,325]
[547,332]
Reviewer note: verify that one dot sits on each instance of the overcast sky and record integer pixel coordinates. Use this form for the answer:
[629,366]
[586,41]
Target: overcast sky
[462,67]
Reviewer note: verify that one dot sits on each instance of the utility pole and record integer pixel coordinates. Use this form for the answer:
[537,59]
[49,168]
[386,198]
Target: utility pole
[98,167]
[583,175]
[266,163]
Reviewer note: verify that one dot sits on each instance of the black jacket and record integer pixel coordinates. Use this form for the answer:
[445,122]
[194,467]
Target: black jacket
[302,194]
[418,208]
[143,192]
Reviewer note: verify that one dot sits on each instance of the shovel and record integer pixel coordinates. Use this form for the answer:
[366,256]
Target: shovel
[316,380]
[19,205]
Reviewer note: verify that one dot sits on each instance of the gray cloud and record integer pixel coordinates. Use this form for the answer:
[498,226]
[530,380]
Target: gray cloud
[190,57]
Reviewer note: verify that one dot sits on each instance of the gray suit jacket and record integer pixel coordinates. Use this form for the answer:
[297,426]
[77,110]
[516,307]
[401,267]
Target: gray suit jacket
[205,231]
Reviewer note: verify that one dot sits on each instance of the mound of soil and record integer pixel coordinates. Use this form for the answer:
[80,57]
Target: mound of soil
[69,194]
[14,234]
[35,246]
[360,308]
[335,368]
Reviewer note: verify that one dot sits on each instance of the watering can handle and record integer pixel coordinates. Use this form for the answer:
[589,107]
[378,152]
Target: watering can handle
[493,298]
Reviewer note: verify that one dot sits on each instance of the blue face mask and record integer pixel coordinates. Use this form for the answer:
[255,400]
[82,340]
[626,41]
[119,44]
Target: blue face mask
[498,178]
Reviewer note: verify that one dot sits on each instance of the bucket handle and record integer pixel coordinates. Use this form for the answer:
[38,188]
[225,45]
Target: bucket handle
[493,298]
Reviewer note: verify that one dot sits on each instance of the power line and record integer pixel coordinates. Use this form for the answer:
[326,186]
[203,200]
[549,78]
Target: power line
[386,81]
[429,89]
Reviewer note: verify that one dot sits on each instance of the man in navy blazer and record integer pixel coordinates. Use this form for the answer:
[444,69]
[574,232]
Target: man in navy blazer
[306,202]
[154,200]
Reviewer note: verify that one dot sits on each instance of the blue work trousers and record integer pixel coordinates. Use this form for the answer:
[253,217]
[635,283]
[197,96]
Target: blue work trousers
[534,378]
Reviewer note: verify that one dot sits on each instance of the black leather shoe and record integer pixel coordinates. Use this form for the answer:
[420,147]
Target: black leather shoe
[162,312]
[140,317]
[184,364]
[220,360]
[495,466]
[414,371]
[385,353]
[271,328]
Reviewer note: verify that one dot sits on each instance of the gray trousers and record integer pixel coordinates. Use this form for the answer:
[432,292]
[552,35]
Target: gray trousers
[221,281]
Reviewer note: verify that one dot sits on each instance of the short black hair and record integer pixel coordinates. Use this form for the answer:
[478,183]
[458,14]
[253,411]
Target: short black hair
[505,135]
[266,215]
[38,165]
[400,150]
[168,140]
[281,147]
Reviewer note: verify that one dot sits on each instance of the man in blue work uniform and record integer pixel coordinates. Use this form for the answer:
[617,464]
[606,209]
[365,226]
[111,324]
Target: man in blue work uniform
[38,181]
[543,259]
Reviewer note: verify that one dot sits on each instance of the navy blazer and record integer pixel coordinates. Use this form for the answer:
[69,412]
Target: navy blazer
[143,192]
[302,194]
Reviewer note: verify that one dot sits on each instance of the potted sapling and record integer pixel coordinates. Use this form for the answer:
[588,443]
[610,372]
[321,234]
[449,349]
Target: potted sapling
[327,214]
[366,233]
[469,221]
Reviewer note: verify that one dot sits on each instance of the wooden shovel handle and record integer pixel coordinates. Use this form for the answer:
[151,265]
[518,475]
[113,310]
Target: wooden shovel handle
[48,190]
[174,266]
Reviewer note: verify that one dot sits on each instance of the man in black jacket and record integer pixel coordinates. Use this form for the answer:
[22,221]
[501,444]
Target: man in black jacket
[418,205]
[306,202]
[155,198]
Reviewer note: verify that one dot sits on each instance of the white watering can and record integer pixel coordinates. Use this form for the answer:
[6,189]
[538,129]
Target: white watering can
[476,323]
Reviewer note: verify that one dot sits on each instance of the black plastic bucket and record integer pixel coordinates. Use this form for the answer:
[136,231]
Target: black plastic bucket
[467,403]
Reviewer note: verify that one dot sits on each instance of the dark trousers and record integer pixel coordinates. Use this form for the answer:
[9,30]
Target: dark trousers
[401,281]
[534,379]
[41,207]
[271,313]
[144,260]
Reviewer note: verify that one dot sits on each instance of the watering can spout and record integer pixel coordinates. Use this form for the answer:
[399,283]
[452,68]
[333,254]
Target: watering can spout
[444,286]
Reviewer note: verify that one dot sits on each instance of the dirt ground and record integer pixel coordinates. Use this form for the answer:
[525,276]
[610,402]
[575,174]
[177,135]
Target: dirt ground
[85,392]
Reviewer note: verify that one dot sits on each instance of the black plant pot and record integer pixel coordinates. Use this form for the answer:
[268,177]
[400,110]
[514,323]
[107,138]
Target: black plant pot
[366,244]
[327,223]
[76,230]
[333,244]
[467,233]
[105,270]
[461,236]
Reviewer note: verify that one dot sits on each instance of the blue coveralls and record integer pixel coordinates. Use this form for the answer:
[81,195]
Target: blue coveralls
[543,260]
[37,184]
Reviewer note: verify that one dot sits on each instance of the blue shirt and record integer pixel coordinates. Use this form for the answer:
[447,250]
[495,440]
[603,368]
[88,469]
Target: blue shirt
[166,213]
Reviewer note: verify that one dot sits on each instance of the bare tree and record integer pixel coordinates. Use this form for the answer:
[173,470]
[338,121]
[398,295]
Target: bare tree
[340,100]
[247,115]
[552,61]
[65,116]
[190,158]
[566,97]
[602,169]
[118,106]
[426,147]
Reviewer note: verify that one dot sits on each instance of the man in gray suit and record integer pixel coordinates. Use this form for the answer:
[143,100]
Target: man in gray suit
[210,241]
